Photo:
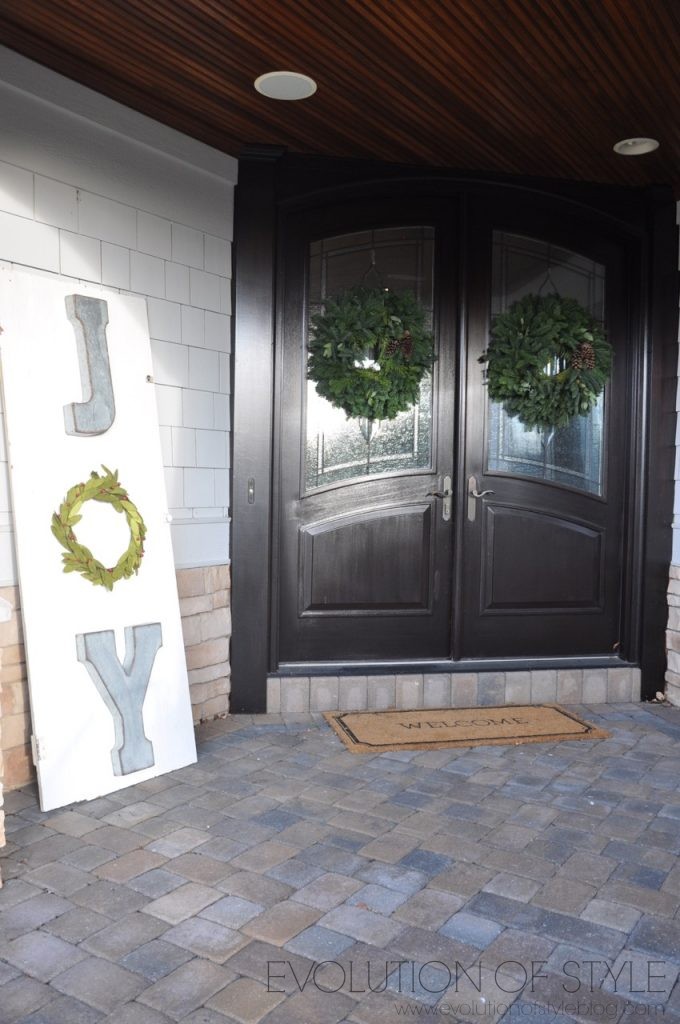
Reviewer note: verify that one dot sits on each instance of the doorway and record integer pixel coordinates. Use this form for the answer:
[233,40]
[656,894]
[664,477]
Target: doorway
[450,538]
[523,558]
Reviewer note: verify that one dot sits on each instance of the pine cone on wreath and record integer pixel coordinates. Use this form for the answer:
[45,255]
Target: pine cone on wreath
[583,357]
[588,353]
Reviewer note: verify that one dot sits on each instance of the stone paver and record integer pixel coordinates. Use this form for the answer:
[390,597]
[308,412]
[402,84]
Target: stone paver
[187,988]
[122,869]
[155,959]
[30,914]
[361,924]
[100,983]
[320,944]
[246,1000]
[109,898]
[196,867]
[429,908]
[471,929]
[232,911]
[327,891]
[63,879]
[614,915]
[65,1010]
[389,848]
[41,955]
[377,898]
[135,1013]
[312,1005]
[124,935]
[281,922]
[156,883]
[206,938]
[212,895]
[181,903]
[21,996]
[75,925]
[264,856]
[256,888]
[565,894]
[514,886]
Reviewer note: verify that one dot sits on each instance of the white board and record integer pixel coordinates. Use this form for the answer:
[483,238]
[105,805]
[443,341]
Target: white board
[41,369]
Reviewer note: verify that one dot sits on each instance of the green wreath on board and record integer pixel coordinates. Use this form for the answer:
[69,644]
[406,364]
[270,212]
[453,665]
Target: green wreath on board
[369,350]
[547,361]
[78,558]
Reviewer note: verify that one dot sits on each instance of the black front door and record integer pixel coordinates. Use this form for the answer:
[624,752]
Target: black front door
[525,560]
[543,557]
[365,547]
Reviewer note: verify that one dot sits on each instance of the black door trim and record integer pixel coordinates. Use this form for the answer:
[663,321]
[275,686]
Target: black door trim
[253,388]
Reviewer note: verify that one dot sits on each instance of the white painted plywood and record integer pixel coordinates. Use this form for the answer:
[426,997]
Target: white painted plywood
[40,375]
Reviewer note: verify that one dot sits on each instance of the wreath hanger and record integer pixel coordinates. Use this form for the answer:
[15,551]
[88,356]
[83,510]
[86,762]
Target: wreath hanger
[373,269]
[548,279]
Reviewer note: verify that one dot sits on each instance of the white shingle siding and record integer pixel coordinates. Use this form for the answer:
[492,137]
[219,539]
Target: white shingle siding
[16,192]
[86,194]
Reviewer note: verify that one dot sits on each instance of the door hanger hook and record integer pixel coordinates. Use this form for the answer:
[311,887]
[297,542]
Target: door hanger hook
[548,279]
[372,269]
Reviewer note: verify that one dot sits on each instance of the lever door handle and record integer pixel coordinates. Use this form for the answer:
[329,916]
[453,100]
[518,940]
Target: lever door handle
[474,494]
[445,494]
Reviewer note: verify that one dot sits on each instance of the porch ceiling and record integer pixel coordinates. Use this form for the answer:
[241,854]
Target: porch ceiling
[538,87]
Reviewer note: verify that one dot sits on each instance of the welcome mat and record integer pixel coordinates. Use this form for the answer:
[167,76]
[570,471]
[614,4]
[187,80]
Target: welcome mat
[366,732]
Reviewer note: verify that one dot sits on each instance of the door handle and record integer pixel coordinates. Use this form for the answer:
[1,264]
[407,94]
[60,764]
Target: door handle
[445,494]
[473,496]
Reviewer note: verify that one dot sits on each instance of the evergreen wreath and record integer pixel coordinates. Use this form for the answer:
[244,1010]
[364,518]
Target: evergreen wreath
[78,558]
[538,332]
[369,350]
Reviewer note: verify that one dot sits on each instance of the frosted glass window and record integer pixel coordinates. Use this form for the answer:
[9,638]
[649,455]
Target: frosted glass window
[337,447]
[571,455]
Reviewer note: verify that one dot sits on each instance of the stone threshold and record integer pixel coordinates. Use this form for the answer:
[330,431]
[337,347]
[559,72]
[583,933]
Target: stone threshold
[303,694]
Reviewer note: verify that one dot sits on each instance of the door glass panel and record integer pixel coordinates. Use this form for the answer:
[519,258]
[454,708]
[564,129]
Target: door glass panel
[337,447]
[571,455]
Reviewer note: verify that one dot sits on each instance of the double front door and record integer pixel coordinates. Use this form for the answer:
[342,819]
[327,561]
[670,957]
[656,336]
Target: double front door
[451,532]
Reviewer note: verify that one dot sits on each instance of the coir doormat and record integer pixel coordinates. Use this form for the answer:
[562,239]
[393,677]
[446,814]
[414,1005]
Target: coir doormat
[366,732]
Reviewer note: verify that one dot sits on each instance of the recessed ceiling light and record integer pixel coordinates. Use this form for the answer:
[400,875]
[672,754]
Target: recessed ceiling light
[285,85]
[635,147]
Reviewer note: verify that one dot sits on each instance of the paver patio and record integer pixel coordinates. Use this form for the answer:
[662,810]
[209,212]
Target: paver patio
[283,879]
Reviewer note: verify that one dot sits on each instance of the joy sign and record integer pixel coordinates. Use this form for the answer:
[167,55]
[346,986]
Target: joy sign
[107,673]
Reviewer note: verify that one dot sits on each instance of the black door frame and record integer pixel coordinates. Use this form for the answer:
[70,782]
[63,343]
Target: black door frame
[271,183]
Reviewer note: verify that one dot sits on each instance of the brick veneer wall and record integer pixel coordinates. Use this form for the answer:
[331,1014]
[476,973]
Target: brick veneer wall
[2,799]
[205,606]
[673,638]
[206,623]
[15,719]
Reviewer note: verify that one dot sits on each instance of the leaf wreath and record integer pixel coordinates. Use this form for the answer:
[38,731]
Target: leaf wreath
[541,332]
[369,350]
[78,558]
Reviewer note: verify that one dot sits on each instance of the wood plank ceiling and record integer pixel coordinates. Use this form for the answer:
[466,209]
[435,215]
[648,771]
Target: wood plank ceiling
[537,87]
